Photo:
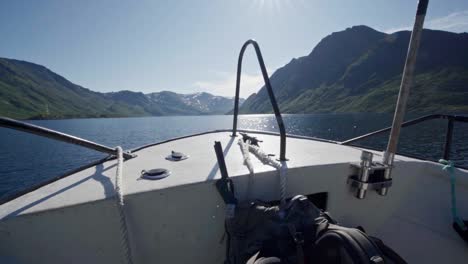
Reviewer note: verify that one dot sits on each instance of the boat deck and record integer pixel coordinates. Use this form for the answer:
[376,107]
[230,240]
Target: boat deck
[97,183]
[75,219]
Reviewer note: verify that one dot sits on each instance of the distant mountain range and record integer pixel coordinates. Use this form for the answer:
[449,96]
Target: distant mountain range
[359,70]
[170,103]
[28,90]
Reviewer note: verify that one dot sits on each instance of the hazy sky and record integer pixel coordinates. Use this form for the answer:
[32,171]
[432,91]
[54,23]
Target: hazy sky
[190,46]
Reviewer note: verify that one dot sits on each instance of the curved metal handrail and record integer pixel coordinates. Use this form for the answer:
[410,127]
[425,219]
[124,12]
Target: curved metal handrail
[274,104]
[49,133]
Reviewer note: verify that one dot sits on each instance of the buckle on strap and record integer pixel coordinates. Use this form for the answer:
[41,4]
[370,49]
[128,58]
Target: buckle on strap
[226,190]
[225,185]
[297,236]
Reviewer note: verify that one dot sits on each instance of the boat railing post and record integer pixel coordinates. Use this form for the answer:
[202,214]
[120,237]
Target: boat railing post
[236,100]
[448,139]
[406,83]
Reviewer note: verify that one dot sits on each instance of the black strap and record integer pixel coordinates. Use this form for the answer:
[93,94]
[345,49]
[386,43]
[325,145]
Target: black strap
[463,233]
[224,185]
[225,188]
[299,241]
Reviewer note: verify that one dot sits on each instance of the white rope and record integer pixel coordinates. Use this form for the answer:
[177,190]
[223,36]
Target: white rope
[282,175]
[120,205]
[267,160]
[248,163]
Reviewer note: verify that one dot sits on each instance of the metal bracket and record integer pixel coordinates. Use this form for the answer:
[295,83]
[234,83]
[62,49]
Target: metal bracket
[357,184]
[368,175]
[129,155]
[253,140]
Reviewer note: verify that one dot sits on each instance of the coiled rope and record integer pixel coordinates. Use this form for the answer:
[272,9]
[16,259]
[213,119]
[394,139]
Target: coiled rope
[266,160]
[120,205]
[448,166]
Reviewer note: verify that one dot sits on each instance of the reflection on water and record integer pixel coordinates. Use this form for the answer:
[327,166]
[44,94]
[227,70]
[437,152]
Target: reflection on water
[26,159]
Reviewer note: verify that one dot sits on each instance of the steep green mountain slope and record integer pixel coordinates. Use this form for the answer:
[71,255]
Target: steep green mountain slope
[359,70]
[28,90]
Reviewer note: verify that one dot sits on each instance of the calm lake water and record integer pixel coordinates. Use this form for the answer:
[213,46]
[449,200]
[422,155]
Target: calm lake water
[26,160]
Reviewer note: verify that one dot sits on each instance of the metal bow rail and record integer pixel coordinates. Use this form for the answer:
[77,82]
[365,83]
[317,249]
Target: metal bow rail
[274,104]
[451,119]
[49,133]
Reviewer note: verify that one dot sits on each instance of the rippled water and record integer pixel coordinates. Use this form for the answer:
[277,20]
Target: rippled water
[26,159]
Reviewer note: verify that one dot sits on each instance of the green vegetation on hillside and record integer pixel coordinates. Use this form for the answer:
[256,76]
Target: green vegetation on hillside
[359,70]
[31,91]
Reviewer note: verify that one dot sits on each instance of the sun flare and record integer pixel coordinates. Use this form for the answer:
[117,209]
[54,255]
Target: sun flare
[274,6]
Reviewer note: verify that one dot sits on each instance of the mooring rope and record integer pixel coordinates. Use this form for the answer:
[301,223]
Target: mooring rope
[450,168]
[248,163]
[120,205]
[266,160]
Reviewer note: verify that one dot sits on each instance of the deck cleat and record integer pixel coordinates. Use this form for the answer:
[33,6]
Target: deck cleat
[177,156]
[155,174]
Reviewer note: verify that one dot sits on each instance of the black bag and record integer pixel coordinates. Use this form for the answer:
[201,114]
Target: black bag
[299,233]
[337,244]
[260,226]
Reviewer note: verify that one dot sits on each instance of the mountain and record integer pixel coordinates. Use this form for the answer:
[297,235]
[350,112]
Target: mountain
[170,103]
[359,70]
[29,90]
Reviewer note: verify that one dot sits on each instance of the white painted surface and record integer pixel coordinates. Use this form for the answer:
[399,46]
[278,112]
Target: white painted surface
[97,183]
[179,219]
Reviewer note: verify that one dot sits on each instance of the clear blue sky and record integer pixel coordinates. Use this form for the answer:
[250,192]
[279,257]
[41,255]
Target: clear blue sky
[189,46]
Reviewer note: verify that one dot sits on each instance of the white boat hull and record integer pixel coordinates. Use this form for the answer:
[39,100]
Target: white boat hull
[180,219]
